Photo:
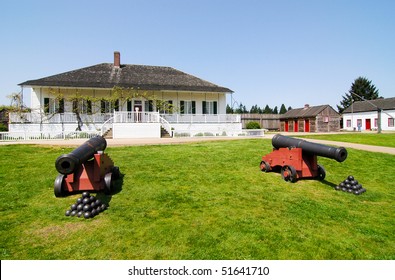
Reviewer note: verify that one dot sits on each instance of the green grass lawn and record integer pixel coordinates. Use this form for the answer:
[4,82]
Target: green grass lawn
[199,201]
[376,139]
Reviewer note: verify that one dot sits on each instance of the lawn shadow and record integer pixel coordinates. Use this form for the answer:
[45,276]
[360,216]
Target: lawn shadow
[117,188]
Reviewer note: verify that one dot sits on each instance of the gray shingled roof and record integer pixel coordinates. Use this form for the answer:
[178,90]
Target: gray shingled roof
[143,77]
[304,112]
[365,106]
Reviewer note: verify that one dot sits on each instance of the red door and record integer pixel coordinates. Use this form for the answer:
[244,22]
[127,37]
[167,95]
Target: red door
[367,124]
[307,125]
[286,127]
[296,127]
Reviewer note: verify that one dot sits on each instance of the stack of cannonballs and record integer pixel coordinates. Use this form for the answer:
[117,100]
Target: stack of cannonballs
[350,185]
[86,206]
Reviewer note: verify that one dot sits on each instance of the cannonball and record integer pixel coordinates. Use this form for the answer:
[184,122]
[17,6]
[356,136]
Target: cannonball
[86,208]
[86,200]
[353,183]
[80,206]
[98,209]
[93,204]
[103,207]
[98,202]
[344,189]
[356,182]
[92,198]
[362,190]
[94,212]
[356,192]
[73,207]
[80,214]
[79,200]
[85,194]
[87,215]
[346,181]
[68,212]
[338,188]
[350,177]
[350,190]
[348,186]
[342,184]
[73,213]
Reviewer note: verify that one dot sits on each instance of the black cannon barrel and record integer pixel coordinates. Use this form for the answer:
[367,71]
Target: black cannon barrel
[67,164]
[281,141]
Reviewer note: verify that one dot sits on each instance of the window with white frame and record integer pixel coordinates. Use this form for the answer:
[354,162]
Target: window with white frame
[348,123]
[52,105]
[166,107]
[187,107]
[210,107]
[149,106]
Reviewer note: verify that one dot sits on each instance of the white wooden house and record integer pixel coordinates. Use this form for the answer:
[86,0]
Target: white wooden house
[368,115]
[193,106]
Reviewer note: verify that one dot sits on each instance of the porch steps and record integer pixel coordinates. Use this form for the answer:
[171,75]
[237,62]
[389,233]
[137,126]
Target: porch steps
[108,134]
[164,133]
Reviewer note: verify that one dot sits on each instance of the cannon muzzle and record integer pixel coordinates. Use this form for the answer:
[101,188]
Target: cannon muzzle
[69,163]
[281,141]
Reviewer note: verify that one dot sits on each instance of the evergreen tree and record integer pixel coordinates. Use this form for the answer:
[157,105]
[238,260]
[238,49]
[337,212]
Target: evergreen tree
[283,110]
[267,110]
[361,87]
[275,110]
[229,110]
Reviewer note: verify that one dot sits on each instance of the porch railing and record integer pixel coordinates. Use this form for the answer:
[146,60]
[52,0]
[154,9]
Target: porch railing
[202,118]
[122,117]
[31,135]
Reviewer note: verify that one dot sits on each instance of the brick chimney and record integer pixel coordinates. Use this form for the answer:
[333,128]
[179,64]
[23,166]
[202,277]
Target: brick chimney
[117,59]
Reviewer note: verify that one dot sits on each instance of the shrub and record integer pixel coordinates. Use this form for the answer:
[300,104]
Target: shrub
[253,125]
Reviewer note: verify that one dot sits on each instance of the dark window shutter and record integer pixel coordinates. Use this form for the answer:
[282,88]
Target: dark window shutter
[193,107]
[215,107]
[103,106]
[182,107]
[46,105]
[61,106]
[89,105]
[204,107]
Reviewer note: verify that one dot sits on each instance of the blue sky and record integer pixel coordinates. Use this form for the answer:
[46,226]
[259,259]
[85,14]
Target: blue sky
[268,52]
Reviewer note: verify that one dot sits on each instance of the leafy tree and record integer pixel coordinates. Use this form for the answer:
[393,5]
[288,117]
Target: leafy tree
[361,87]
[283,110]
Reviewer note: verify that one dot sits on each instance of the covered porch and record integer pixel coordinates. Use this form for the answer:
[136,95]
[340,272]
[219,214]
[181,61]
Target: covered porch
[128,124]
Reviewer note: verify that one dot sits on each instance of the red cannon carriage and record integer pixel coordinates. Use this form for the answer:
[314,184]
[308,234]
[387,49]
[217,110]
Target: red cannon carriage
[296,158]
[87,168]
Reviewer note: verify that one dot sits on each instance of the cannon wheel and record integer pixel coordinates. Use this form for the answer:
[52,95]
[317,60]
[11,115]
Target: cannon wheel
[109,183]
[58,186]
[265,167]
[321,173]
[288,173]
[116,172]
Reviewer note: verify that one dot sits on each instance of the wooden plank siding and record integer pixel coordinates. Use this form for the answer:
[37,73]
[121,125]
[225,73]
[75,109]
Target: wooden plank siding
[320,119]
[267,121]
